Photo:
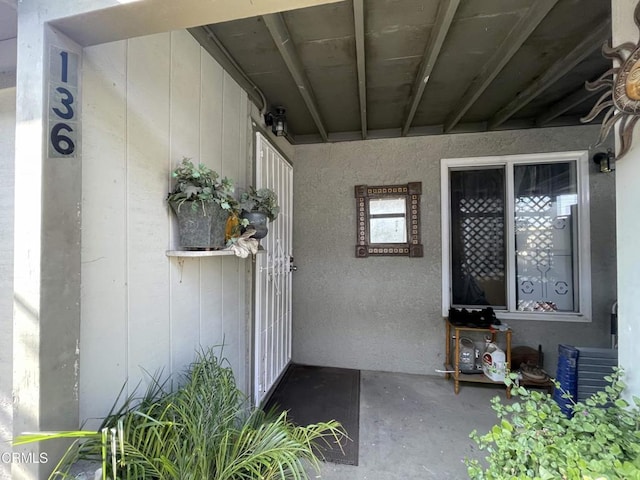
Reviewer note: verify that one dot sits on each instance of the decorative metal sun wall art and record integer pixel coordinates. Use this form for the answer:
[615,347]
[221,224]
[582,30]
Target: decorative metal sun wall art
[622,98]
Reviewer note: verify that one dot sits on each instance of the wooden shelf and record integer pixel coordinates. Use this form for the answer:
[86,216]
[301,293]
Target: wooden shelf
[203,253]
[452,335]
[472,377]
[198,253]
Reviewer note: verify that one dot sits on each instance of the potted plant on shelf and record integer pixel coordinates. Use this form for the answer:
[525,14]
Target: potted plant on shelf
[258,207]
[201,202]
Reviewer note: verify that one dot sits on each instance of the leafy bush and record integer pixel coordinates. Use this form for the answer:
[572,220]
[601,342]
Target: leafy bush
[200,185]
[535,440]
[202,430]
[263,200]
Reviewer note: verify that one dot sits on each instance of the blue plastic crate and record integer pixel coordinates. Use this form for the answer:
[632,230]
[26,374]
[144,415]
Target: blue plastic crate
[568,351]
[567,376]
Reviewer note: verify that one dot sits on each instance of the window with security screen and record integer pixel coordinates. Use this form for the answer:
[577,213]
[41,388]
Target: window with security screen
[477,237]
[511,235]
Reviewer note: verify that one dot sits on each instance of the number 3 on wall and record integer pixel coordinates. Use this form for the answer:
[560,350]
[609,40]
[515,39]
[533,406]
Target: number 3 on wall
[62,108]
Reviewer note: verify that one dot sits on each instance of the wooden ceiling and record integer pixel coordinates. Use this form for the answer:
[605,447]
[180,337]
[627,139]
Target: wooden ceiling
[362,69]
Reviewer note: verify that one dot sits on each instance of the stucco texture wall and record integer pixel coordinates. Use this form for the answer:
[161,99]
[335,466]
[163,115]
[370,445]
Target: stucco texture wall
[385,313]
[147,103]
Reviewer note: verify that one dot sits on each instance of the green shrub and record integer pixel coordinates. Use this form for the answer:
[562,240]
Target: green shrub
[200,185]
[263,200]
[201,430]
[534,440]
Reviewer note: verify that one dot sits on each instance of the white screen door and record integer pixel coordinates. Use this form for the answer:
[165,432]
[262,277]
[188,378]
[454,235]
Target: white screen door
[272,350]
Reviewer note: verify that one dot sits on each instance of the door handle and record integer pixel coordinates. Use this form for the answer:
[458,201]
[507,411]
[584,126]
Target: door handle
[293,268]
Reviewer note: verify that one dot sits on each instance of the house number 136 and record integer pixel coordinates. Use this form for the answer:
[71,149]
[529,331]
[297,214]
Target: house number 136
[63,90]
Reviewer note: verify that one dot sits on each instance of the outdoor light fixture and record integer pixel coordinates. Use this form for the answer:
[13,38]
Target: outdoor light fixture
[605,160]
[277,121]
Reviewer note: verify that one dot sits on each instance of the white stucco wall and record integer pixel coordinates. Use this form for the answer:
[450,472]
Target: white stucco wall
[149,102]
[7,141]
[385,313]
[628,228]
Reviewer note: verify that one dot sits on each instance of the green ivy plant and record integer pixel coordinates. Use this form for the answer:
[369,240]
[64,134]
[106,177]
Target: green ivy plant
[263,200]
[535,440]
[200,185]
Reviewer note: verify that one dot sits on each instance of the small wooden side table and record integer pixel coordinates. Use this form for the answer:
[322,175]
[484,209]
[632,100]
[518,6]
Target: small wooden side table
[453,362]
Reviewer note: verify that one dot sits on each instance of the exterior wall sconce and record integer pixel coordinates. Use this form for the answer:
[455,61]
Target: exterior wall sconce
[277,121]
[605,160]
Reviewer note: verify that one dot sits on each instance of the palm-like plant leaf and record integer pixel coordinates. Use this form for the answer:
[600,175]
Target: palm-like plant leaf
[202,430]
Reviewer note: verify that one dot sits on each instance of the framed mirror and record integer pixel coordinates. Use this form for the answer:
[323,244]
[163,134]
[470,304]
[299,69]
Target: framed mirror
[388,220]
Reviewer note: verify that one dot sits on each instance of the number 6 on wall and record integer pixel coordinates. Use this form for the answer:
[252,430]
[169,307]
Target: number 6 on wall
[63,144]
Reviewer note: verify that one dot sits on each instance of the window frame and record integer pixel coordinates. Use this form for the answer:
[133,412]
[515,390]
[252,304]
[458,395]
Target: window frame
[583,232]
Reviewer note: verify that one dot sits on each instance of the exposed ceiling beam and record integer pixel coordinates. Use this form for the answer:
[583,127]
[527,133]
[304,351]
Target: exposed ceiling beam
[564,105]
[281,37]
[428,130]
[435,130]
[215,48]
[505,51]
[358,20]
[561,67]
[446,11]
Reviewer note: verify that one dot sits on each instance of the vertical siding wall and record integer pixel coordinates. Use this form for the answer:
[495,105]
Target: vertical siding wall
[147,103]
[7,158]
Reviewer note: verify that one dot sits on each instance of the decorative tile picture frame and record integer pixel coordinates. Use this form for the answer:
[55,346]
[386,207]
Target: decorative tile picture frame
[388,220]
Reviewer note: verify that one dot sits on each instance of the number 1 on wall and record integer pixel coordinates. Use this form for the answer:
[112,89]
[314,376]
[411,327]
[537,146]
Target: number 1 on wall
[64,66]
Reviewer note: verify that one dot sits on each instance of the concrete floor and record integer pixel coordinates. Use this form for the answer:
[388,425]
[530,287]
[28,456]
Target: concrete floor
[415,427]
[411,427]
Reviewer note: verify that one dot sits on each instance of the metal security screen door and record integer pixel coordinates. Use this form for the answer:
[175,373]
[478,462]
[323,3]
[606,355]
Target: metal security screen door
[272,350]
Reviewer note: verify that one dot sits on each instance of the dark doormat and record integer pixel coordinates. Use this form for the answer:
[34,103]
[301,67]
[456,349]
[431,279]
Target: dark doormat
[318,394]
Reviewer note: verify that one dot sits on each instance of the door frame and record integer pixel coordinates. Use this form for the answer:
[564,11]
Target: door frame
[254,272]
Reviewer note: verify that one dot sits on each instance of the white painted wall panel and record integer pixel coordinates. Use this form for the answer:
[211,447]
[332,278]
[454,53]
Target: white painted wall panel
[232,138]
[185,311]
[231,316]
[211,114]
[185,97]
[211,117]
[148,94]
[184,142]
[211,305]
[103,333]
[245,311]
[7,159]
[149,102]
[231,132]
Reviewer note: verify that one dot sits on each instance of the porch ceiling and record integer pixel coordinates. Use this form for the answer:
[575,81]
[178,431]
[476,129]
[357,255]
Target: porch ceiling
[388,68]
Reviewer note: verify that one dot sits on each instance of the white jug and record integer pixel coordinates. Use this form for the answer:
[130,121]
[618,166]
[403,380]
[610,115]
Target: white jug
[494,364]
